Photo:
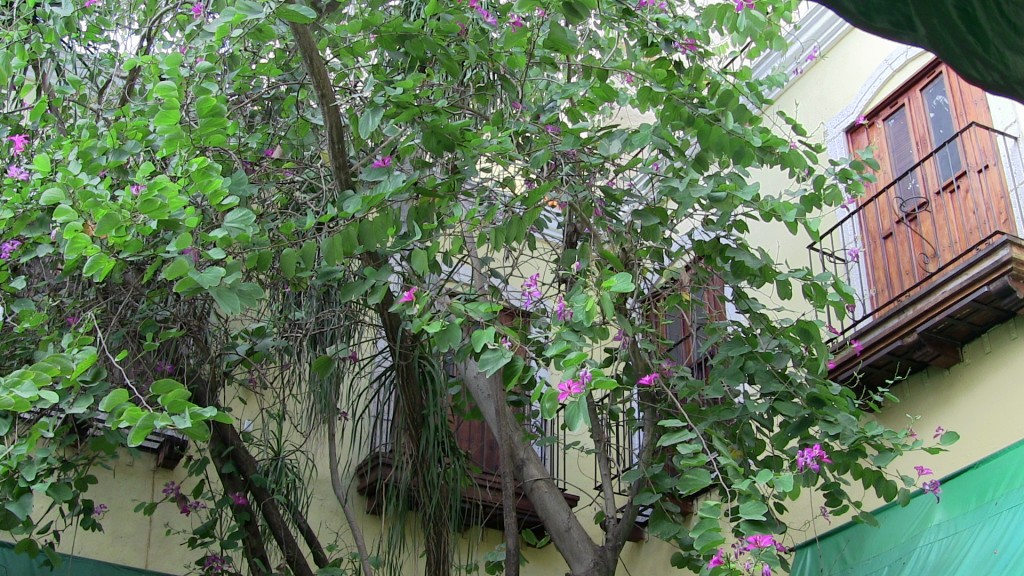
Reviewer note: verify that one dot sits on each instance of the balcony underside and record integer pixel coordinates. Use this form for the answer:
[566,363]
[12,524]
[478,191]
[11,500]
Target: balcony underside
[376,477]
[930,327]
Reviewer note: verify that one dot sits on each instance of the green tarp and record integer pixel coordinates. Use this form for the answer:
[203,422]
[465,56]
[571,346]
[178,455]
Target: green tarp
[977,528]
[14,564]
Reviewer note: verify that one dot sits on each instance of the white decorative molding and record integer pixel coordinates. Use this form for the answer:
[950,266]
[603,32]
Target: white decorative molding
[835,128]
[815,32]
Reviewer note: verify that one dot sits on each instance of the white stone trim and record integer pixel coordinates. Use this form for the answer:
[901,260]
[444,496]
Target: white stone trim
[818,29]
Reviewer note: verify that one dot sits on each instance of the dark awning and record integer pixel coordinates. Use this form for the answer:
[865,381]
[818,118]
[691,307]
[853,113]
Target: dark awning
[980,39]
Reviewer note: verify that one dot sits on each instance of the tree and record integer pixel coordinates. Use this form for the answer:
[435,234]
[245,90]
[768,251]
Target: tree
[222,196]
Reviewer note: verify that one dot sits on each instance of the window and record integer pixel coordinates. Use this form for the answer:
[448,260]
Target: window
[939,189]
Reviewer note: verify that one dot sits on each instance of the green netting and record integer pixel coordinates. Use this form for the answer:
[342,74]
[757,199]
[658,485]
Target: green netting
[14,564]
[977,528]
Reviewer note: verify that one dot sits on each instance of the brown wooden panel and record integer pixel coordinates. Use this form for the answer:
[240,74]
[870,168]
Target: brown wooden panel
[913,221]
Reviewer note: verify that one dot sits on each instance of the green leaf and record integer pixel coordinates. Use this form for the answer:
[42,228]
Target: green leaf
[621,282]
[296,13]
[560,39]
[949,438]
[481,338]
[52,196]
[494,359]
[113,399]
[753,510]
[693,481]
[369,120]
[143,428]
[42,164]
[177,268]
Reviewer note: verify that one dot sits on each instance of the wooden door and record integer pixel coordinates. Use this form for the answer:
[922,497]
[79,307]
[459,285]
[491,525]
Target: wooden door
[939,190]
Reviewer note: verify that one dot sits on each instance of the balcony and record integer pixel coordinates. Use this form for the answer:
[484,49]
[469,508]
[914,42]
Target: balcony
[934,257]
[377,478]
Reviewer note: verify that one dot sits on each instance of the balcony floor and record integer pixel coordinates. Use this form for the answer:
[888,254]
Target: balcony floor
[930,327]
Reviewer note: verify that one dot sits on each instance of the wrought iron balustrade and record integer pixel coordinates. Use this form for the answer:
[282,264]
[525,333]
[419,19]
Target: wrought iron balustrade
[955,200]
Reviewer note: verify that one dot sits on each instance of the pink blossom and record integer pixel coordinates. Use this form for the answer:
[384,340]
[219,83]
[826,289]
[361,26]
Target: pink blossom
[766,570]
[857,346]
[862,120]
[137,189]
[8,248]
[813,55]
[585,376]
[99,510]
[759,541]
[932,487]
[239,499]
[831,365]
[629,78]
[516,22]
[409,295]
[569,388]
[73,321]
[171,488]
[552,129]
[811,458]
[716,560]
[939,431]
[19,142]
[824,513]
[562,310]
[91,3]
[832,329]
[270,152]
[540,12]
[742,5]
[853,254]
[382,162]
[922,471]
[517,106]
[17,173]
[687,45]
[648,380]
[911,433]
[531,291]
[197,10]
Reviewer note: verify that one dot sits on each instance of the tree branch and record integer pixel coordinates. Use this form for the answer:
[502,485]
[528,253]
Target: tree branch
[341,493]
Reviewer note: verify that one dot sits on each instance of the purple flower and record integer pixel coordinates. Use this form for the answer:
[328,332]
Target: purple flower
[716,560]
[8,248]
[759,541]
[832,329]
[851,308]
[381,162]
[552,129]
[577,266]
[922,471]
[171,489]
[849,203]
[270,152]
[812,56]
[824,513]
[540,12]
[190,507]
[91,3]
[197,10]
[192,252]
[862,120]
[19,141]
[857,346]
[531,292]
[163,367]
[932,487]
[629,78]
[811,458]
[585,376]
[238,499]
[562,311]
[215,564]
[831,365]
[569,388]
[99,510]
[911,433]
[687,45]
[516,22]
[487,16]
[137,189]
[742,5]
[853,254]
[517,106]
[73,321]
[939,431]
[506,342]
[17,173]
[648,380]
[409,295]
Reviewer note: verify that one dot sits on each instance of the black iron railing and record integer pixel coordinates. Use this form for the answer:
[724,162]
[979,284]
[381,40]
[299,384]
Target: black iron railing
[927,219]
[548,436]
